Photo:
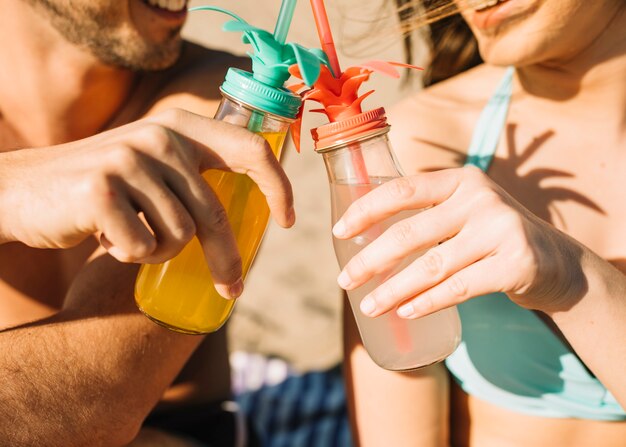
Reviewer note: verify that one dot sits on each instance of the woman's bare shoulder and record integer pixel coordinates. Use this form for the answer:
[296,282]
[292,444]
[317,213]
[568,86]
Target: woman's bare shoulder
[431,129]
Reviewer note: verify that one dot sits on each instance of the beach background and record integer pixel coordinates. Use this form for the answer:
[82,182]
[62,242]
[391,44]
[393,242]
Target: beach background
[291,307]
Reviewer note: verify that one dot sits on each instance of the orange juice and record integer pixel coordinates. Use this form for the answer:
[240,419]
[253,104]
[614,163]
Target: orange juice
[179,293]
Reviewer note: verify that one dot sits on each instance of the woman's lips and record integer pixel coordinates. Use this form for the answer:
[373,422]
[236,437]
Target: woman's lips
[491,16]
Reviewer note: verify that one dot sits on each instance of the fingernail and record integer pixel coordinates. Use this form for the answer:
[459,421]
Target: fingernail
[344,280]
[368,306]
[235,290]
[119,254]
[406,311]
[339,229]
[291,217]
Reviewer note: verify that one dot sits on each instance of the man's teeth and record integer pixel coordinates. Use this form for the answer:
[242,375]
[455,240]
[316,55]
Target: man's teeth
[170,5]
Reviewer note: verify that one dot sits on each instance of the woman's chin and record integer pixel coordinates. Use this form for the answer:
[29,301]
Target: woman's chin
[509,51]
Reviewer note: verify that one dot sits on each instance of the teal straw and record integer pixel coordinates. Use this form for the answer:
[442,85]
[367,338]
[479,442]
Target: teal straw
[284,20]
[239,201]
[255,124]
[216,9]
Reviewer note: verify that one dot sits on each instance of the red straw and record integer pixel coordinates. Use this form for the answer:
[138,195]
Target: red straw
[398,326]
[325,34]
[328,45]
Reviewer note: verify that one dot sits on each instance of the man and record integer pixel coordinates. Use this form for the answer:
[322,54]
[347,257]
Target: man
[79,364]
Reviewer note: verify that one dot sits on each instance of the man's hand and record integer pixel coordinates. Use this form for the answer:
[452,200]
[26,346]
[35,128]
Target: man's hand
[139,188]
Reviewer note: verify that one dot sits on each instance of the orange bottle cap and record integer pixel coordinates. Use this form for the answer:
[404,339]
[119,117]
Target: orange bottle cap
[350,129]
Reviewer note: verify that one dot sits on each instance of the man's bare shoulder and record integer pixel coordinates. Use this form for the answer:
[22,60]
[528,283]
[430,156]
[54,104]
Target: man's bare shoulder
[192,84]
[432,128]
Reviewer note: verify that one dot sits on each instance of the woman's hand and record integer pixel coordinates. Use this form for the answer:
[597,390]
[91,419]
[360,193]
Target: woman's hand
[139,188]
[478,240]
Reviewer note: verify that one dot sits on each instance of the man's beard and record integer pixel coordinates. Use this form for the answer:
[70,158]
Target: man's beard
[111,42]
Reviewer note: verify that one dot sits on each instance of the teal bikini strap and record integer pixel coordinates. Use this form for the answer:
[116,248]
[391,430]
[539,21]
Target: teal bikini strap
[490,124]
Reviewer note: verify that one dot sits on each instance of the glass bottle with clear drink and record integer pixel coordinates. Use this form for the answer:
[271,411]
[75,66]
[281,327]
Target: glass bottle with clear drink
[358,158]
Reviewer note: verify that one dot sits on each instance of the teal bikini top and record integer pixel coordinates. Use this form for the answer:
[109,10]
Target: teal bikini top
[508,355]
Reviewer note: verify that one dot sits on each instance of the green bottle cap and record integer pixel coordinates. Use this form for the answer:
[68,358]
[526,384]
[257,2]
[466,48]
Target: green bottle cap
[242,86]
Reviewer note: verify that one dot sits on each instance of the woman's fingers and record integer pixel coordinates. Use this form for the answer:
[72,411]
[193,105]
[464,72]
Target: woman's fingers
[431,268]
[404,238]
[483,277]
[405,193]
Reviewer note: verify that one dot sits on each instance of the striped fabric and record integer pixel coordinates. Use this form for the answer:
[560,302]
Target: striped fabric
[303,410]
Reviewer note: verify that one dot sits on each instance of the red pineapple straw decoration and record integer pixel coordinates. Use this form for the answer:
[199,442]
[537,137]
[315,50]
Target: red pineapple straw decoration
[339,96]
[338,93]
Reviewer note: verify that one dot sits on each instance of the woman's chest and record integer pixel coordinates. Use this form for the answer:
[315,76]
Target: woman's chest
[571,180]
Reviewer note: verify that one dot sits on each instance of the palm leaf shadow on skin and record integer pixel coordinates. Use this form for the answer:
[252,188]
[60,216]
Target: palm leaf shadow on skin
[544,198]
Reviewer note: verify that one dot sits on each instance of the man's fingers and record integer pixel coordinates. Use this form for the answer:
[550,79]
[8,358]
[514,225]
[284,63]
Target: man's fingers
[211,221]
[220,247]
[124,235]
[170,221]
[213,230]
[221,145]
[405,193]
[265,170]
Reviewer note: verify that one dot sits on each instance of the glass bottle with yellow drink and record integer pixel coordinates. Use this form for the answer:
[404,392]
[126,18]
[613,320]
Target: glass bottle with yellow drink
[179,294]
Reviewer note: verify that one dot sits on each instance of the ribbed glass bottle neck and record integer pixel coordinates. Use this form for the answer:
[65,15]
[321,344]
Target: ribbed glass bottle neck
[256,120]
[350,130]
[360,161]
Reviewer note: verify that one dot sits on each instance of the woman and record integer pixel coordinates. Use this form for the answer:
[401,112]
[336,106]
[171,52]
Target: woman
[544,227]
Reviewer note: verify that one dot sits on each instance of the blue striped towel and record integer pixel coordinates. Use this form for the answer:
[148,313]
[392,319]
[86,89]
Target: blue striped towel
[303,410]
